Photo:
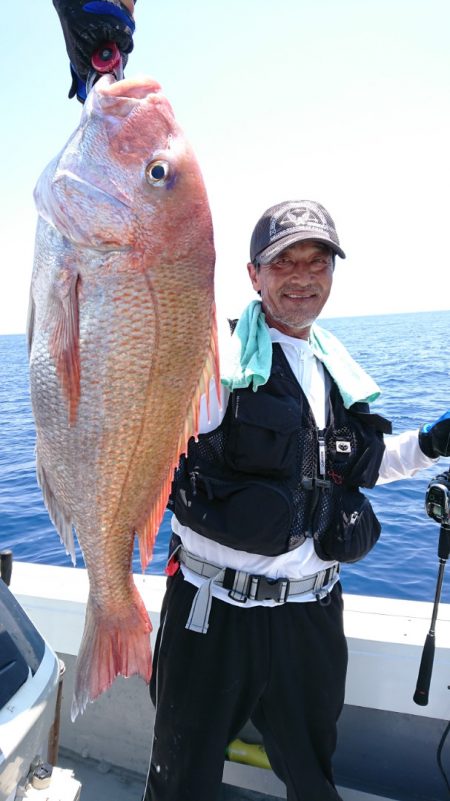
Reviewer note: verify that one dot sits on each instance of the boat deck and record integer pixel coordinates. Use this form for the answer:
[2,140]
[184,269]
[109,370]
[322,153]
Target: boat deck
[103,782]
[387,744]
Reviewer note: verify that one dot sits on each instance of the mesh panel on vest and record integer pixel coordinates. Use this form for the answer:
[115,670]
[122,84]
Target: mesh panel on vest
[306,466]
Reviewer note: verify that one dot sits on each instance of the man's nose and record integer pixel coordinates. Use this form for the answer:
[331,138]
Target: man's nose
[301,270]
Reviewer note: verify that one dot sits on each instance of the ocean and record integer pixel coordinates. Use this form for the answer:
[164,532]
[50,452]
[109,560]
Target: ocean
[408,356]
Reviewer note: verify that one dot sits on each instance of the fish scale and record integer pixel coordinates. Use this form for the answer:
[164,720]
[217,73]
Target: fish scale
[122,342]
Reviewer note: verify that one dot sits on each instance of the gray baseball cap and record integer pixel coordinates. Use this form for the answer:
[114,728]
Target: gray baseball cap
[290,222]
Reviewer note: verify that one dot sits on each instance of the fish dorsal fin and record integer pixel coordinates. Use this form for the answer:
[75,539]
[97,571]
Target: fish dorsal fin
[64,345]
[211,370]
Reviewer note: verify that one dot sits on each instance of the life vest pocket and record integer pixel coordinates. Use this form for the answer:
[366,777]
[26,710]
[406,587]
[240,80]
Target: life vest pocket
[263,435]
[353,531]
[248,515]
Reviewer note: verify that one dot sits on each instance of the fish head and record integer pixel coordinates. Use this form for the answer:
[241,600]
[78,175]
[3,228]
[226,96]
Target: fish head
[127,178]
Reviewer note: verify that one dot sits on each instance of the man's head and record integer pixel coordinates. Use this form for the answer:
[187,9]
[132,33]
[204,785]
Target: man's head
[292,251]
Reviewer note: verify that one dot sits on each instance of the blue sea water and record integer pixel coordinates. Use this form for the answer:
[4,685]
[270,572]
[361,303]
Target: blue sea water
[408,356]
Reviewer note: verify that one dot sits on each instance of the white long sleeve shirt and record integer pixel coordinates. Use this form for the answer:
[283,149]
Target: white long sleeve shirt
[402,459]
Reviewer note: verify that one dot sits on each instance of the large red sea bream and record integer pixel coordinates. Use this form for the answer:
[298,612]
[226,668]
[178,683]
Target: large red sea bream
[122,344]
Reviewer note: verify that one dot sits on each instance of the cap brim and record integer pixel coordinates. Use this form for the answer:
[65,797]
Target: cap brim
[276,248]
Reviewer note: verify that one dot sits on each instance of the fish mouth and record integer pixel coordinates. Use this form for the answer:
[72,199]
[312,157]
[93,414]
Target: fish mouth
[119,99]
[127,88]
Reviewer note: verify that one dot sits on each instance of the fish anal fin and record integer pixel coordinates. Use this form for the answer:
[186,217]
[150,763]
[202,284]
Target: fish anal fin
[64,345]
[59,516]
[112,646]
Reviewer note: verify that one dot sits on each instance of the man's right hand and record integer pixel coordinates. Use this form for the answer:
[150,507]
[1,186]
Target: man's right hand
[434,438]
[87,25]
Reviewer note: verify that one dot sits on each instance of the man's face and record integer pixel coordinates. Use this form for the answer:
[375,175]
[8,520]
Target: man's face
[295,286]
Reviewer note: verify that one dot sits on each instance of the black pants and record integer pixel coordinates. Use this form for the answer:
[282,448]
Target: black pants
[282,667]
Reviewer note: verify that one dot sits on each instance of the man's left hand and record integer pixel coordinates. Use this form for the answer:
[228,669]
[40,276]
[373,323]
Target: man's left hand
[434,438]
[87,25]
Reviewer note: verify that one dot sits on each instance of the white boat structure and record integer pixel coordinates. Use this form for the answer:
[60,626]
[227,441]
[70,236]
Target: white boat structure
[387,748]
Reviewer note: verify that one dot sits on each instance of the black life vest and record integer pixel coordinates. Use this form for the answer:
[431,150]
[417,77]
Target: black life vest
[267,478]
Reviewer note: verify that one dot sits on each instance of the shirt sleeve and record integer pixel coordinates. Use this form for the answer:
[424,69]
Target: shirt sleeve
[212,413]
[402,457]
[212,410]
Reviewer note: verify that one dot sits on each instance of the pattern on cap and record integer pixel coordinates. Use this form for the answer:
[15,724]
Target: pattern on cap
[308,216]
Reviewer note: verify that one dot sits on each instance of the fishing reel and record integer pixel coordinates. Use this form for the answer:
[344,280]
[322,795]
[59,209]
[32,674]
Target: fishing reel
[437,505]
[437,499]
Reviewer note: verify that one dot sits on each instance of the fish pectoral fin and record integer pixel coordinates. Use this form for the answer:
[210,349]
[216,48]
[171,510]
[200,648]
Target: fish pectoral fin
[64,345]
[59,516]
[30,322]
[113,645]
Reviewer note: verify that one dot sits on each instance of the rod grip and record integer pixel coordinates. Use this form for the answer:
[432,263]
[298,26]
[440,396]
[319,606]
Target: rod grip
[425,671]
[6,561]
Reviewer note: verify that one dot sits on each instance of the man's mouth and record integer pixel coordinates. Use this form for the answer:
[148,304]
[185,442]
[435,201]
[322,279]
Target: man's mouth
[305,295]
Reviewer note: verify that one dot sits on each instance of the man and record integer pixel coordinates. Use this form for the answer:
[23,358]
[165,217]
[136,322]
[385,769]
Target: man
[267,503]
[251,623]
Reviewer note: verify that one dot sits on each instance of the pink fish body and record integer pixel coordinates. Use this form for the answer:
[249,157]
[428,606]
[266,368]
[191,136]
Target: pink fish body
[122,344]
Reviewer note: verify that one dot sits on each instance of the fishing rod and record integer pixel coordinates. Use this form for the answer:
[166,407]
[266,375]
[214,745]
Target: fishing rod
[437,504]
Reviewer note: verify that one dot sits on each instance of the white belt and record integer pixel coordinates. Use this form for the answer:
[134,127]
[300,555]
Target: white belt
[243,586]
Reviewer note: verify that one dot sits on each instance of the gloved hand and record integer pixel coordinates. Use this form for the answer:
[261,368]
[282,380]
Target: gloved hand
[434,438]
[87,25]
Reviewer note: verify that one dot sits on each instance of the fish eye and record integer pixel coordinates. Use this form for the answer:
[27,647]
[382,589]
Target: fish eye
[157,172]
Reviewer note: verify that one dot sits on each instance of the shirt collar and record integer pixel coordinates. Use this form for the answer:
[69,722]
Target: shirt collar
[284,339]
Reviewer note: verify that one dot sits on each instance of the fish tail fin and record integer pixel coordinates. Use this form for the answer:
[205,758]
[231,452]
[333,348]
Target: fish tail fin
[112,645]
[211,369]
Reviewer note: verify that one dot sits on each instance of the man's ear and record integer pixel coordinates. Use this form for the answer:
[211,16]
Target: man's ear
[254,276]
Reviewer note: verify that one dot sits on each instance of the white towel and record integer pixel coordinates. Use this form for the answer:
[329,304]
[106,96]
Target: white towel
[250,358]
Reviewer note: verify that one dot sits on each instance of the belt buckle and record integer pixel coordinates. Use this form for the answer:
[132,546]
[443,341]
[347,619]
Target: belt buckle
[263,589]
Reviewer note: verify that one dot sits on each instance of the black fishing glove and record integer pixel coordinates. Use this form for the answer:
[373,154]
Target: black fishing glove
[434,438]
[87,25]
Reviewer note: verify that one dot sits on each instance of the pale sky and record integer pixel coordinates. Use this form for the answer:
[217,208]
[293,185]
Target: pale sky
[345,102]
